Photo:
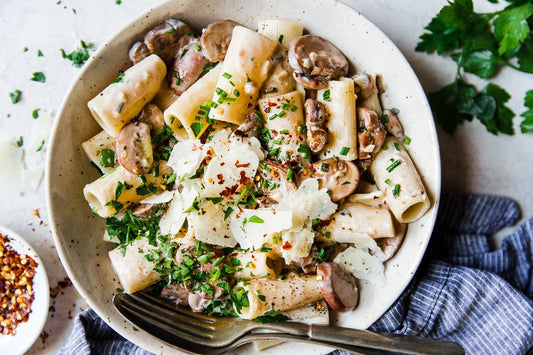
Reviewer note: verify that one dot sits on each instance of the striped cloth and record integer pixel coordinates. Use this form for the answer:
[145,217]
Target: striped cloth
[463,292]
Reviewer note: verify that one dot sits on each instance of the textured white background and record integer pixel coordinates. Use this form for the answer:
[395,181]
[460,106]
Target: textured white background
[472,160]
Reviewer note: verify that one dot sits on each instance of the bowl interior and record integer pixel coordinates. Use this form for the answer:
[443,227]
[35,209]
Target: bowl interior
[78,233]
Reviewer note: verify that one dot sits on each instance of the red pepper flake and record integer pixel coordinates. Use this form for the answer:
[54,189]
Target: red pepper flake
[16,290]
[286,246]
[244,165]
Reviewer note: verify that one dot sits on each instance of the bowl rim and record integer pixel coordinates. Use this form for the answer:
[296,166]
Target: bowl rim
[58,241]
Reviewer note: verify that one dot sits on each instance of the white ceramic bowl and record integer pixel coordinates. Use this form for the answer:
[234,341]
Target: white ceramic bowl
[29,331]
[78,232]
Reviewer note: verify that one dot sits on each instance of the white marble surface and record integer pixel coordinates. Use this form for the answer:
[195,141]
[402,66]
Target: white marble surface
[473,159]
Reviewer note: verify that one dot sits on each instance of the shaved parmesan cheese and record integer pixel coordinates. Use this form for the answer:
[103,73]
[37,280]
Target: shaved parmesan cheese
[186,157]
[13,174]
[308,203]
[162,197]
[209,225]
[132,268]
[362,265]
[251,227]
[172,220]
[374,199]
[234,164]
[297,244]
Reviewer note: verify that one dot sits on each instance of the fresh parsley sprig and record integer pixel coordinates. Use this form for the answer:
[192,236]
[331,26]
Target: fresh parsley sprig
[481,43]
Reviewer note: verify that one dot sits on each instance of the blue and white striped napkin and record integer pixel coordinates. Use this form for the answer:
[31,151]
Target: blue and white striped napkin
[463,292]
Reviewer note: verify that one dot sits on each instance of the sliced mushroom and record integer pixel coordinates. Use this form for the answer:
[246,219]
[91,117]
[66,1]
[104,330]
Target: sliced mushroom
[315,118]
[134,148]
[187,67]
[338,176]
[164,40]
[338,286]
[316,61]
[308,263]
[176,293]
[138,52]
[389,246]
[153,116]
[215,39]
[364,85]
[274,182]
[393,125]
[143,209]
[370,132]
[251,127]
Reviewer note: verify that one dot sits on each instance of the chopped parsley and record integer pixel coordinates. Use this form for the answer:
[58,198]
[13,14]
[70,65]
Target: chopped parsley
[271,317]
[196,128]
[39,77]
[15,96]
[107,158]
[35,113]
[344,151]
[326,96]
[20,142]
[393,165]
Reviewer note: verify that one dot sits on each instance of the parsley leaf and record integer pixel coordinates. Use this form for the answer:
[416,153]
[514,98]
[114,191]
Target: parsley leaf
[527,125]
[38,76]
[271,316]
[79,56]
[511,27]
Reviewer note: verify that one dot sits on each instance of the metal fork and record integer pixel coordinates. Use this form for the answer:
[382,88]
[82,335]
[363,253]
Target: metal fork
[198,332]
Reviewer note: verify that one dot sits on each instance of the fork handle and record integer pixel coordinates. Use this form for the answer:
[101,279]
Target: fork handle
[406,344]
[383,341]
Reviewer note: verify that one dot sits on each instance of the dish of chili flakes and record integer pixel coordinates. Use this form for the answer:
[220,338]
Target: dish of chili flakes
[24,293]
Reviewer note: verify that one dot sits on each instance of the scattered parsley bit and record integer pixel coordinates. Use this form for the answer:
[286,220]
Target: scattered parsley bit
[226,75]
[255,219]
[197,48]
[228,212]
[183,53]
[393,165]
[388,182]
[35,113]
[261,297]
[39,53]
[527,124]
[396,192]
[107,158]
[346,183]
[79,56]
[407,140]
[196,128]
[344,151]
[326,95]
[20,142]
[25,49]
[171,31]
[39,77]
[15,96]
[41,146]
[118,79]
[288,177]
[280,38]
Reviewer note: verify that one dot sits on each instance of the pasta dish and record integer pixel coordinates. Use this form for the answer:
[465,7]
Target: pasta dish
[250,172]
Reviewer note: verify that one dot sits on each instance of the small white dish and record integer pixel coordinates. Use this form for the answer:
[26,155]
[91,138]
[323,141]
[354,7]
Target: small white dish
[28,332]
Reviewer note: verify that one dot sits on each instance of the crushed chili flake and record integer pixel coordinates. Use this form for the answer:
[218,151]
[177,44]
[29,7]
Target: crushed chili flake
[16,280]
[286,246]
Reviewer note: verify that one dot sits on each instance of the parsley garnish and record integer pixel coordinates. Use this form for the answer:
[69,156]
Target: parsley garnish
[196,128]
[35,113]
[480,43]
[20,142]
[107,158]
[271,317]
[15,96]
[80,55]
[39,77]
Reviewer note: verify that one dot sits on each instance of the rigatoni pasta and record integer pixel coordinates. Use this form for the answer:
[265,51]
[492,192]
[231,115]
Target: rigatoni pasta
[396,175]
[124,98]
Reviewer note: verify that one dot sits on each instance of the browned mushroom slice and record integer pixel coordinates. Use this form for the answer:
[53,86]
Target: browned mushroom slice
[338,286]
[166,38]
[176,293]
[251,127]
[143,209]
[134,148]
[215,39]
[153,116]
[308,263]
[370,132]
[274,182]
[389,246]
[138,52]
[364,85]
[316,61]
[338,176]
[393,125]
[315,118]
[187,67]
